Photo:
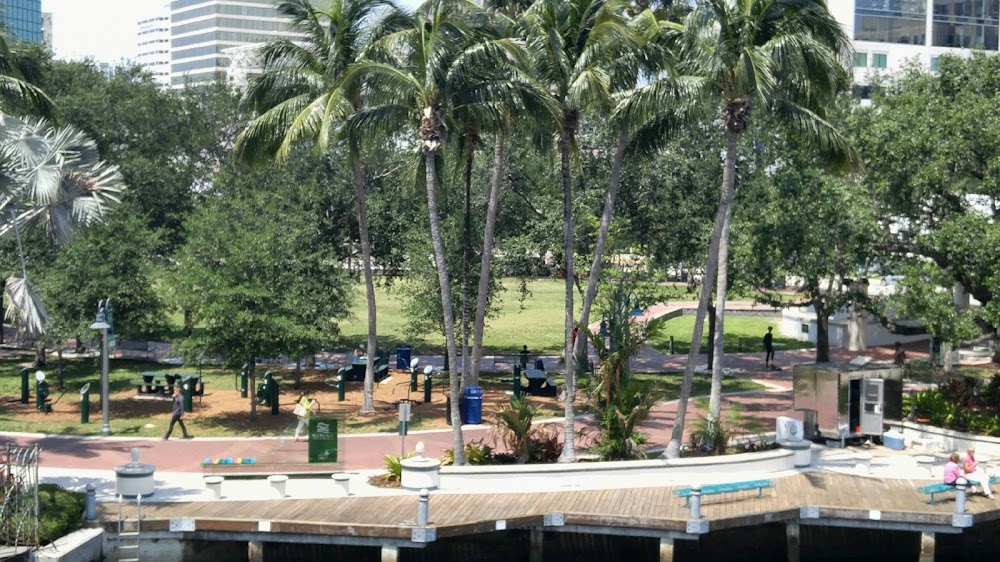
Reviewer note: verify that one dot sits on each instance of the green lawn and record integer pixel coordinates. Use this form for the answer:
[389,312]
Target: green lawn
[537,322]
[743,333]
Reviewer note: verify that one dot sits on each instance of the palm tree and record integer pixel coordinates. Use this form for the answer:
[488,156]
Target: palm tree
[580,39]
[656,55]
[50,176]
[17,72]
[784,57]
[301,96]
[432,72]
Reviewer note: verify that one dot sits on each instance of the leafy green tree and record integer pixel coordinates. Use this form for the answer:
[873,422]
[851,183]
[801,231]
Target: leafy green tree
[254,271]
[933,172]
[783,57]
[302,96]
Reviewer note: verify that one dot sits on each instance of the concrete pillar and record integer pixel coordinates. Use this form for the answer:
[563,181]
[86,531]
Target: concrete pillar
[926,547]
[255,551]
[666,550]
[390,553]
[537,545]
[792,541]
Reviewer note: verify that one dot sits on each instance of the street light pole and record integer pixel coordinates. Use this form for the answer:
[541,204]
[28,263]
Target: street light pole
[101,324]
[105,384]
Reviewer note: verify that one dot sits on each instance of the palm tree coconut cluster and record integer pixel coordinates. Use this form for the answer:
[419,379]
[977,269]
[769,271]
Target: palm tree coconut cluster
[451,72]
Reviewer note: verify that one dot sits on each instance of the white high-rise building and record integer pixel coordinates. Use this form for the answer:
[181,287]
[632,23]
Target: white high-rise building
[153,42]
[203,34]
[888,34]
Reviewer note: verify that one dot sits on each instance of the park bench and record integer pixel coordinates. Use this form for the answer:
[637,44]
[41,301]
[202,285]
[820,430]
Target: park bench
[941,487]
[727,488]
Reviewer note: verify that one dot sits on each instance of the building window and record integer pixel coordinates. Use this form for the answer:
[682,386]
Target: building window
[860,60]
[935,64]
[805,328]
[966,24]
[895,21]
[879,60]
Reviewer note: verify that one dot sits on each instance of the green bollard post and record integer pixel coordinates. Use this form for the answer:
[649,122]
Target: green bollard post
[517,381]
[340,387]
[85,403]
[188,393]
[244,380]
[274,397]
[413,380]
[427,388]
[25,387]
[41,394]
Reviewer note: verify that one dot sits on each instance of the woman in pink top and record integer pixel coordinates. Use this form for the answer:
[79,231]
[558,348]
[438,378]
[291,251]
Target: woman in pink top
[975,472]
[953,473]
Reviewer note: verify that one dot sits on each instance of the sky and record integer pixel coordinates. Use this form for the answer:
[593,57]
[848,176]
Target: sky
[104,30]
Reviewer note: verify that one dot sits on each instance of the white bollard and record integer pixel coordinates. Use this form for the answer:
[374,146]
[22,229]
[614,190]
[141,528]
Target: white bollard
[214,485]
[342,481]
[278,482]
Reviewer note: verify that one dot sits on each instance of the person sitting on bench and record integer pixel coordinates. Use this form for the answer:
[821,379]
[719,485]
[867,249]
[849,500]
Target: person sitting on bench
[954,475]
[974,471]
[539,364]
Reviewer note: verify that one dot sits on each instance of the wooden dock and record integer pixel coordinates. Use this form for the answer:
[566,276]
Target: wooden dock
[811,498]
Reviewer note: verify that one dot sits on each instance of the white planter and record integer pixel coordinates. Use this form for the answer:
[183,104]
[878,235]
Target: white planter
[421,472]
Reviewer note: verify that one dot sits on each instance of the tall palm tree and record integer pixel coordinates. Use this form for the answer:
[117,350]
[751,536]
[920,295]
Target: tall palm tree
[301,96]
[432,73]
[655,55]
[52,176]
[580,39]
[784,57]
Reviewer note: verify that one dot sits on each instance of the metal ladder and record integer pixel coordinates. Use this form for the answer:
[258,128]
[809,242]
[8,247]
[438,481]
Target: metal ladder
[123,535]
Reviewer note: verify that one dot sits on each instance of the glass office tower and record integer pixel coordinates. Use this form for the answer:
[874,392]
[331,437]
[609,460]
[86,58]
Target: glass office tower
[22,19]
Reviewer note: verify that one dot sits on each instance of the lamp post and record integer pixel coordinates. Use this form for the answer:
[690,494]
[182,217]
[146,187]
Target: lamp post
[100,323]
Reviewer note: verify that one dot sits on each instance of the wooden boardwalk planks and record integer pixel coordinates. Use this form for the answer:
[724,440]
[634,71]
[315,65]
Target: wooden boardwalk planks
[837,495]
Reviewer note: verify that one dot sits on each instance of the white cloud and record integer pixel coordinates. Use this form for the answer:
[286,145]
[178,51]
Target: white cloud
[104,30]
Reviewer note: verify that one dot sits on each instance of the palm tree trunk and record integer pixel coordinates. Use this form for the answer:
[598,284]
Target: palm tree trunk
[721,286]
[360,199]
[470,154]
[710,351]
[484,270]
[569,435]
[602,240]
[449,315]
[673,449]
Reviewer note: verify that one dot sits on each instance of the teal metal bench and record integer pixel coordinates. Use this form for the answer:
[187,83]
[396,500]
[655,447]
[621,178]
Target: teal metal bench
[941,487]
[727,488]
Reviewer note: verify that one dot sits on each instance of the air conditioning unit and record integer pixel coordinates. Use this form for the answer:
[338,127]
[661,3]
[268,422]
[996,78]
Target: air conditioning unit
[788,429]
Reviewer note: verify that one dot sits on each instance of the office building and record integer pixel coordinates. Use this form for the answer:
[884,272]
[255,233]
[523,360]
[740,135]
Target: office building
[153,44]
[888,34]
[22,19]
[47,39]
[203,34]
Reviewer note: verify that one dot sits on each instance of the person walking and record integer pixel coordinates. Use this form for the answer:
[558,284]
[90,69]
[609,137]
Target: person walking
[768,348]
[178,413]
[303,410]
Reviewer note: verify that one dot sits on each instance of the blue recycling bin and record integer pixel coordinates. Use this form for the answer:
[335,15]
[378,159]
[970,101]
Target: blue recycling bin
[403,356]
[473,404]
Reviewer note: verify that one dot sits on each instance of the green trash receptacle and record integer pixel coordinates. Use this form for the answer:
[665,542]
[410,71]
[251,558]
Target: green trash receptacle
[188,394]
[322,439]
[25,387]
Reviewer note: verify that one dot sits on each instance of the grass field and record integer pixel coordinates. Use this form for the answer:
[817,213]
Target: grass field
[536,322]
[743,333]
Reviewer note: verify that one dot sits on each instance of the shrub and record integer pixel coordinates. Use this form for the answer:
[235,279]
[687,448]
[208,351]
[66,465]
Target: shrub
[513,427]
[394,466]
[545,444]
[476,453]
[60,512]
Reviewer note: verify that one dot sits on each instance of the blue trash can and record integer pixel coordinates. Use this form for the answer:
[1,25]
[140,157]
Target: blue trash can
[473,404]
[403,356]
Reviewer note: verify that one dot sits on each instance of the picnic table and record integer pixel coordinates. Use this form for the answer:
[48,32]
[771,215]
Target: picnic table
[155,383]
[539,384]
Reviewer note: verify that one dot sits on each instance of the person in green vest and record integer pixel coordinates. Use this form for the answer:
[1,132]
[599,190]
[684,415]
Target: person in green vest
[303,409]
